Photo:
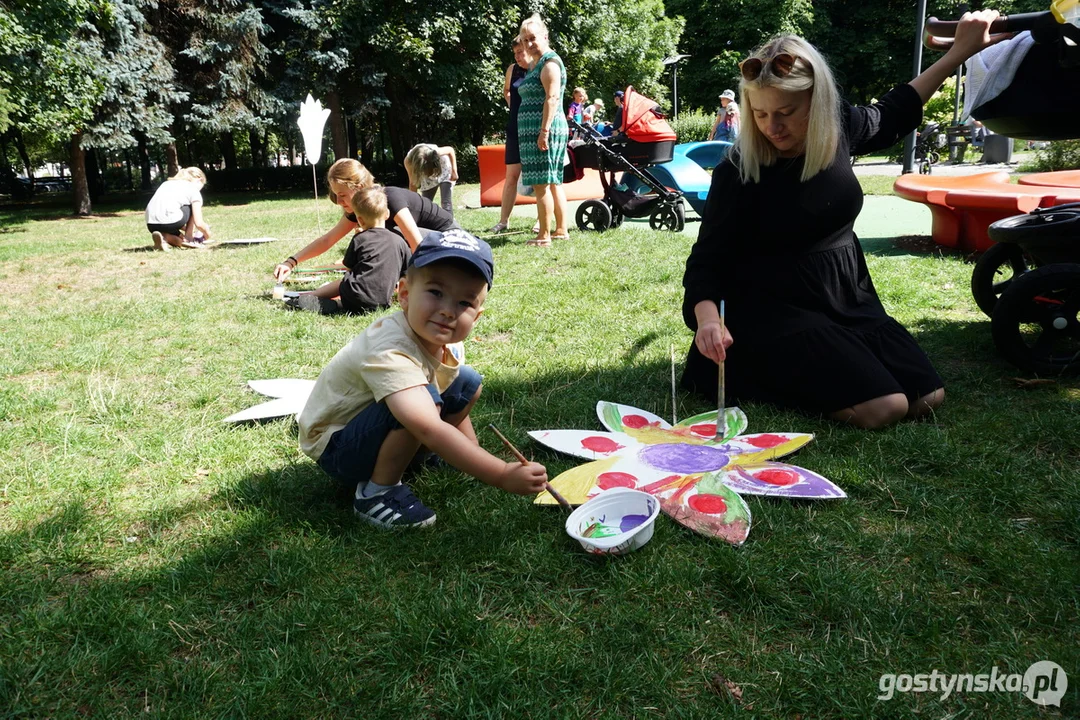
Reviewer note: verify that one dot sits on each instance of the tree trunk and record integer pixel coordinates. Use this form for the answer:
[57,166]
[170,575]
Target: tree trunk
[94,181]
[172,160]
[20,147]
[80,189]
[127,167]
[8,180]
[143,153]
[350,124]
[228,150]
[337,126]
[258,150]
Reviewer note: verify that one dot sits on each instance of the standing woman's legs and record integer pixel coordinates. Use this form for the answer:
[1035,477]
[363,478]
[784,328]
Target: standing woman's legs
[543,211]
[509,192]
[561,210]
[446,196]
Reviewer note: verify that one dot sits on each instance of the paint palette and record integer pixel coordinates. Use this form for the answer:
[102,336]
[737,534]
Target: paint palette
[615,522]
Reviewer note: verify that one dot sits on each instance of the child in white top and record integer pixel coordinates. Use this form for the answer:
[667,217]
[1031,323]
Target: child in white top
[175,211]
[432,167]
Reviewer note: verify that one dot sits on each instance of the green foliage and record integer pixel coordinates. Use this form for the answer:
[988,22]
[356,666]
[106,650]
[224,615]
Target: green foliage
[693,126]
[941,106]
[1055,155]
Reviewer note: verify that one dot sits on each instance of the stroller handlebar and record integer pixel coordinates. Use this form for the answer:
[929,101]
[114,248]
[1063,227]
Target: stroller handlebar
[939,33]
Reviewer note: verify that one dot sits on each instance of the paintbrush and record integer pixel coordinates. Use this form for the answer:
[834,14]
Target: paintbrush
[524,461]
[721,420]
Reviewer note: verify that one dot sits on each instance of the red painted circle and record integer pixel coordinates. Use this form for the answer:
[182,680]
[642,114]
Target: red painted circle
[600,444]
[608,480]
[778,476]
[634,421]
[767,441]
[704,429]
[708,504]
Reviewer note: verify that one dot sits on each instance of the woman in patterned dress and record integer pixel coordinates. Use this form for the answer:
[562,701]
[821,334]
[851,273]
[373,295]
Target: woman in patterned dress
[542,131]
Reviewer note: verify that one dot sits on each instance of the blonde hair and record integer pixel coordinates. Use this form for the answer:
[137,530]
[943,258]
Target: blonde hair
[810,72]
[538,25]
[350,173]
[369,204]
[580,90]
[422,161]
[191,174]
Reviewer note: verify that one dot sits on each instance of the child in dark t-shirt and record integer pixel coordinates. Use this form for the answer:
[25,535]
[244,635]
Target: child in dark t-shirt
[376,259]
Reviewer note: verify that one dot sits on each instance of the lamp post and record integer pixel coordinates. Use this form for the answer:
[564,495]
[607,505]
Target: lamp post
[909,141]
[673,61]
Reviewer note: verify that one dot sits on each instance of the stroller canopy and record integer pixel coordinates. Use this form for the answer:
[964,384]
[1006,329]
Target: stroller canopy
[642,119]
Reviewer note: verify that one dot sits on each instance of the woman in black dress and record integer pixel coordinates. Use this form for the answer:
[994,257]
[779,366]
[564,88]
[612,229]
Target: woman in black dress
[776,243]
[515,73]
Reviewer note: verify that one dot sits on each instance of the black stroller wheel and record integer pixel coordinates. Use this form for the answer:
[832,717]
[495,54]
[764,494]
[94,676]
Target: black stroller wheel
[925,168]
[1036,323]
[994,272]
[594,215]
[668,217]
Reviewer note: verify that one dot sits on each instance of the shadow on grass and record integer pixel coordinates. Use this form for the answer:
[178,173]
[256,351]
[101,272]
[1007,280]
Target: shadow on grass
[264,596]
[909,245]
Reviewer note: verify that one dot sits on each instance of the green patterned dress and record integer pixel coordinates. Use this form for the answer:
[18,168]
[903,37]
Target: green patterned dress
[538,167]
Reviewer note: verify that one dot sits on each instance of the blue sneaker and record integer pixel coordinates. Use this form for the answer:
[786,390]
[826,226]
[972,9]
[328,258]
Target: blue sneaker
[397,507]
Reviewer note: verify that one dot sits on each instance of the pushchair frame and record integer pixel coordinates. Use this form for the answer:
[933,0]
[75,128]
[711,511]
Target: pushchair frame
[663,207]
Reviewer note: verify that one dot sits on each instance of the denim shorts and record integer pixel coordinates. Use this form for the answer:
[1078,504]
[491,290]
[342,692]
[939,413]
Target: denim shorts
[351,452]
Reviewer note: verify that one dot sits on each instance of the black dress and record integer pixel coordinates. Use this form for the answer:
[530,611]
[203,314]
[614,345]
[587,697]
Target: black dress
[810,332]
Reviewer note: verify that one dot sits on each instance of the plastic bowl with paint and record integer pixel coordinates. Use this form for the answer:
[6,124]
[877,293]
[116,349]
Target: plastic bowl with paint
[615,522]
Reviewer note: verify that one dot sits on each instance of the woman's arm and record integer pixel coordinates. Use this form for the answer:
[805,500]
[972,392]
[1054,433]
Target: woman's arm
[448,151]
[551,79]
[197,216]
[407,225]
[316,247]
[506,83]
[972,36]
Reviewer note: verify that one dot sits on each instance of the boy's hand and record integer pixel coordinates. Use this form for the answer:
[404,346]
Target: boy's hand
[523,479]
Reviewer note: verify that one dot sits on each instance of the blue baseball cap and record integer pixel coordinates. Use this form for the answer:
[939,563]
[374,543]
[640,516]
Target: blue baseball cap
[455,243]
[619,93]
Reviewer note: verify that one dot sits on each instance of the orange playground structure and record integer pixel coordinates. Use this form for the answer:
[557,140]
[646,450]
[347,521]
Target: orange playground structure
[962,207]
[493,172]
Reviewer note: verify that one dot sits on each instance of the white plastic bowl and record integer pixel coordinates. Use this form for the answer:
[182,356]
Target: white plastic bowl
[599,523]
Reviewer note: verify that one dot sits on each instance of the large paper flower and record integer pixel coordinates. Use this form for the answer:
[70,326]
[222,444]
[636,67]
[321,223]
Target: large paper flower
[312,120]
[698,478]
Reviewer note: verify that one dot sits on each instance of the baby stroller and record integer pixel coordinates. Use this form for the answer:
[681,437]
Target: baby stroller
[926,147]
[1029,281]
[647,140]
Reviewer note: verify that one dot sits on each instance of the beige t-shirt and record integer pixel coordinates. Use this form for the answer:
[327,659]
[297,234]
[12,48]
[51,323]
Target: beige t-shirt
[384,359]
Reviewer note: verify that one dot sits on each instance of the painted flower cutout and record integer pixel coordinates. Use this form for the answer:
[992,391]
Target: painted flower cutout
[697,477]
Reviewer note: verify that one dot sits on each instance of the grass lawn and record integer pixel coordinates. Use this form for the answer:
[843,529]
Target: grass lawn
[157,563]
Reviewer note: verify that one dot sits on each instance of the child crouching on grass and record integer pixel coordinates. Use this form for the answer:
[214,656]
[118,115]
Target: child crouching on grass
[376,261]
[402,386]
[432,168]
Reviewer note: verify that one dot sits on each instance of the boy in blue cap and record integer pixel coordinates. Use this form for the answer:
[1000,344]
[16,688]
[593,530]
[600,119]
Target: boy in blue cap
[402,385]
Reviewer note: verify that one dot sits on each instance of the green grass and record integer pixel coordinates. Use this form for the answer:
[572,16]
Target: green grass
[157,563]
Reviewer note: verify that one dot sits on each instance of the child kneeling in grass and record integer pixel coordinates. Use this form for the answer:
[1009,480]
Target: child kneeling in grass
[376,261]
[402,386]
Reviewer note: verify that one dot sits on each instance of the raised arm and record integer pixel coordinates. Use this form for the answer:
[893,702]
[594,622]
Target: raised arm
[972,36]
[316,247]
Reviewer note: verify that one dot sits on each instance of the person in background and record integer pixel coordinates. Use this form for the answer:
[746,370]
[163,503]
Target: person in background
[726,125]
[515,73]
[543,133]
[432,168]
[174,215]
[576,111]
[411,215]
[617,121]
[593,112]
[376,260]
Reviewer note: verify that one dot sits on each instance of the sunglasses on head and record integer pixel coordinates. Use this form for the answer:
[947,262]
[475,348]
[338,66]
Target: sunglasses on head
[779,65]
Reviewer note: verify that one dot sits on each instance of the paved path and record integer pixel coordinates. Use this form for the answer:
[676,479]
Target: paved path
[883,167]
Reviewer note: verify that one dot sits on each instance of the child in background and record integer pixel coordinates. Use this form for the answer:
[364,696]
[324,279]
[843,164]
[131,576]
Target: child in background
[175,211]
[431,167]
[577,106]
[593,111]
[376,260]
[402,386]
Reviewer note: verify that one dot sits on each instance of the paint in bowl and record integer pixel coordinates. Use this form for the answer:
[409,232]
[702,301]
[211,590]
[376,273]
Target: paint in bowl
[615,522]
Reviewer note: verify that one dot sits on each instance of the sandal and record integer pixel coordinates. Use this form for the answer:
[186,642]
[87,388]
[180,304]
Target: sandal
[561,236]
[539,242]
[498,228]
